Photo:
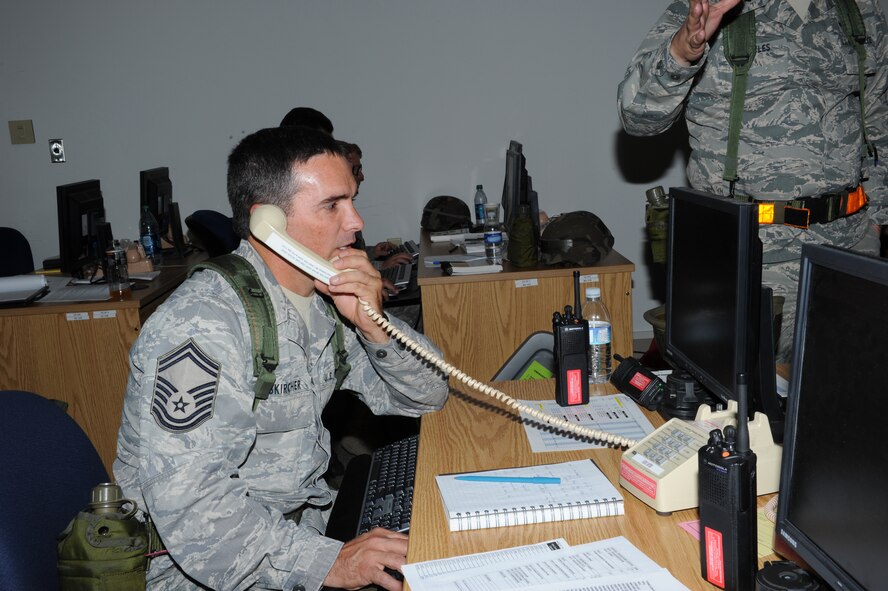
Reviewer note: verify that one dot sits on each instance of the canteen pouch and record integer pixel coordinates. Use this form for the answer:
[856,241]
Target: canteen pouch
[103,552]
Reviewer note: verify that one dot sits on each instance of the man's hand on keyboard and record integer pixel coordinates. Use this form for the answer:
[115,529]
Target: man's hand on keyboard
[363,561]
[388,289]
[382,249]
[400,258]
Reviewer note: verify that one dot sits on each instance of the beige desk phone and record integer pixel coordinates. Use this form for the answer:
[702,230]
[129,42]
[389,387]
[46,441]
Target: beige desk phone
[268,224]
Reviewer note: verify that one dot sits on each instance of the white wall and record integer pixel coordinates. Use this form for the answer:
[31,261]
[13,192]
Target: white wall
[432,91]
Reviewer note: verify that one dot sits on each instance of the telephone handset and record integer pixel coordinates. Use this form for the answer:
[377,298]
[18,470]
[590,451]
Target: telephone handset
[268,224]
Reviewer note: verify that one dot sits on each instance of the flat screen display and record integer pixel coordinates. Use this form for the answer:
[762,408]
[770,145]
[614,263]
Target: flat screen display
[832,512]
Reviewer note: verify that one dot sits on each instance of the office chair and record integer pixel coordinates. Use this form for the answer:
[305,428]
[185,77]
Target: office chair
[16,257]
[538,347]
[213,232]
[49,470]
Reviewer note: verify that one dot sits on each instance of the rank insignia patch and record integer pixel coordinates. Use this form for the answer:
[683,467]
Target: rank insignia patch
[185,388]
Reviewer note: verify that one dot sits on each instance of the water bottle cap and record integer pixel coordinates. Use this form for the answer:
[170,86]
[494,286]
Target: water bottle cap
[656,196]
[107,498]
[106,493]
[593,293]
[478,187]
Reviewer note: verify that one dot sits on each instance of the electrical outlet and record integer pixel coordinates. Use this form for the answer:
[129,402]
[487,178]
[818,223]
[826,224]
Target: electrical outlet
[57,150]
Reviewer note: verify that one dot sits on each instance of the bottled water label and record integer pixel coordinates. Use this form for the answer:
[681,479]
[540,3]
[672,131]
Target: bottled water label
[599,352]
[479,212]
[600,334]
[148,245]
[493,247]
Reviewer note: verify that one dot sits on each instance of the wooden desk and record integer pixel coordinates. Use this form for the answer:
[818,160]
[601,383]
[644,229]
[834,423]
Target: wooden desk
[478,321]
[79,352]
[474,432]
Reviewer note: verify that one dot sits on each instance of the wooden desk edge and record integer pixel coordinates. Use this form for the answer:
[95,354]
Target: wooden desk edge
[659,537]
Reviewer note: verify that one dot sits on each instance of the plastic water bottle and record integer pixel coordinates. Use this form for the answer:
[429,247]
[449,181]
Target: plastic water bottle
[596,314]
[149,236]
[493,245]
[493,233]
[480,202]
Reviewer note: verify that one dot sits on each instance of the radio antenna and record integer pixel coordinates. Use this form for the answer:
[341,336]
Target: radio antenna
[742,414]
[577,307]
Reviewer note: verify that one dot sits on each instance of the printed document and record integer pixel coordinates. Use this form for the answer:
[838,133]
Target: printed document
[612,564]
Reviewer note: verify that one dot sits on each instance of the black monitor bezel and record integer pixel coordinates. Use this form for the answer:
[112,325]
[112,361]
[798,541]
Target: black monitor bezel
[514,182]
[159,202]
[747,260]
[518,189]
[72,201]
[791,541]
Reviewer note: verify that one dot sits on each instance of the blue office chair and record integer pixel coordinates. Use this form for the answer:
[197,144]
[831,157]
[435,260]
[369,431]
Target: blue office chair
[49,468]
[212,231]
[15,253]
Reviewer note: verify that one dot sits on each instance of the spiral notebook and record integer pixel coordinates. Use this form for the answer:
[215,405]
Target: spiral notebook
[527,495]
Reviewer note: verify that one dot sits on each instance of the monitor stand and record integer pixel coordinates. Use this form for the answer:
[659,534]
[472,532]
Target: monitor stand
[765,397]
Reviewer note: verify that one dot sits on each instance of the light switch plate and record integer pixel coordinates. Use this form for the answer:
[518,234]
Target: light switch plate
[21,131]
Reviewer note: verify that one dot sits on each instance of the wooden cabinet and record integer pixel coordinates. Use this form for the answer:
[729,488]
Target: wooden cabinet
[479,320]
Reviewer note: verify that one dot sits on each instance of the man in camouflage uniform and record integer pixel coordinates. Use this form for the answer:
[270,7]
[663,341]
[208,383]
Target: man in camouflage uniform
[236,494]
[801,129]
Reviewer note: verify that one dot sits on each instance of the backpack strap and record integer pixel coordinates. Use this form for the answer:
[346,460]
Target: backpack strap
[260,316]
[854,29]
[739,46]
[340,355]
[244,279]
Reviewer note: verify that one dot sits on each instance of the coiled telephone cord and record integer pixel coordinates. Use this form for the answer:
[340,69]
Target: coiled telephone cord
[460,375]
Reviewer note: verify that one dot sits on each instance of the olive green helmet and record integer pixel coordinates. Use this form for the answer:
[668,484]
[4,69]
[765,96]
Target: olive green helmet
[575,238]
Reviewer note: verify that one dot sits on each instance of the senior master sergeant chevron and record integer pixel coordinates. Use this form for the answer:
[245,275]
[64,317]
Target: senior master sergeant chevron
[236,494]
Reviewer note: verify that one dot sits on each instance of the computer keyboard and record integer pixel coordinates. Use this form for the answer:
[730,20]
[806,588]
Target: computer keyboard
[409,247]
[399,275]
[388,499]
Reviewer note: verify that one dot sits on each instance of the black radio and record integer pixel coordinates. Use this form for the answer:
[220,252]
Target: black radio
[571,335]
[728,535]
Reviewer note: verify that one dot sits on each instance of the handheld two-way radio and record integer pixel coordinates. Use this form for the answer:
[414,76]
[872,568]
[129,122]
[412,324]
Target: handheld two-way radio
[728,541]
[571,335]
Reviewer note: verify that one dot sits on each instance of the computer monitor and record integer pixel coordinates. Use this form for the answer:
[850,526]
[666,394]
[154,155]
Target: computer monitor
[718,317]
[518,189]
[156,191]
[81,219]
[831,513]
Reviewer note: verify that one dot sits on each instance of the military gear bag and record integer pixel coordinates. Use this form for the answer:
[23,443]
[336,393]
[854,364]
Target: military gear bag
[444,212]
[575,238]
[244,279]
[105,547]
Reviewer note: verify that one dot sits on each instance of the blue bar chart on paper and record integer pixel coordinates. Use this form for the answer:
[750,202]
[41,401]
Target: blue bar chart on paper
[616,414]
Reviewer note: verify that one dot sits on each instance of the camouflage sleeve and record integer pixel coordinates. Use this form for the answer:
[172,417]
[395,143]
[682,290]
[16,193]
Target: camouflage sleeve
[391,379]
[195,357]
[876,171]
[653,91]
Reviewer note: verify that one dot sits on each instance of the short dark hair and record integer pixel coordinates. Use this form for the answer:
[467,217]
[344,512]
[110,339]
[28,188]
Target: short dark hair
[263,168]
[349,148]
[307,117]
